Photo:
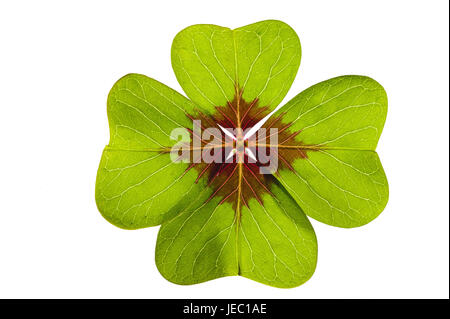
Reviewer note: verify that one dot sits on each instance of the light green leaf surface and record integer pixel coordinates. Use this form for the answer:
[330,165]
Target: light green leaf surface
[339,188]
[273,244]
[142,113]
[343,184]
[261,59]
[137,186]
[140,189]
[343,112]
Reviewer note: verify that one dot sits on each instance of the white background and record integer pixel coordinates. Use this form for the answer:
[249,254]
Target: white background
[59,60]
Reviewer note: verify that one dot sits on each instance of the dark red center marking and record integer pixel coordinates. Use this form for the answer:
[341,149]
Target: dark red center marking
[238,181]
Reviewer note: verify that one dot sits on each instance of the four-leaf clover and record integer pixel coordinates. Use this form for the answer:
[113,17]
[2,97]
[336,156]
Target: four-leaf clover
[225,218]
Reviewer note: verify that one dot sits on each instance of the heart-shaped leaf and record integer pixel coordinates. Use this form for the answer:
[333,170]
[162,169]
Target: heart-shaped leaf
[342,182]
[137,182]
[272,242]
[260,60]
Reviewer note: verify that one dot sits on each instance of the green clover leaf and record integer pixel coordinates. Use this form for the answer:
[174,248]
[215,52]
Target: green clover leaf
[226,218]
